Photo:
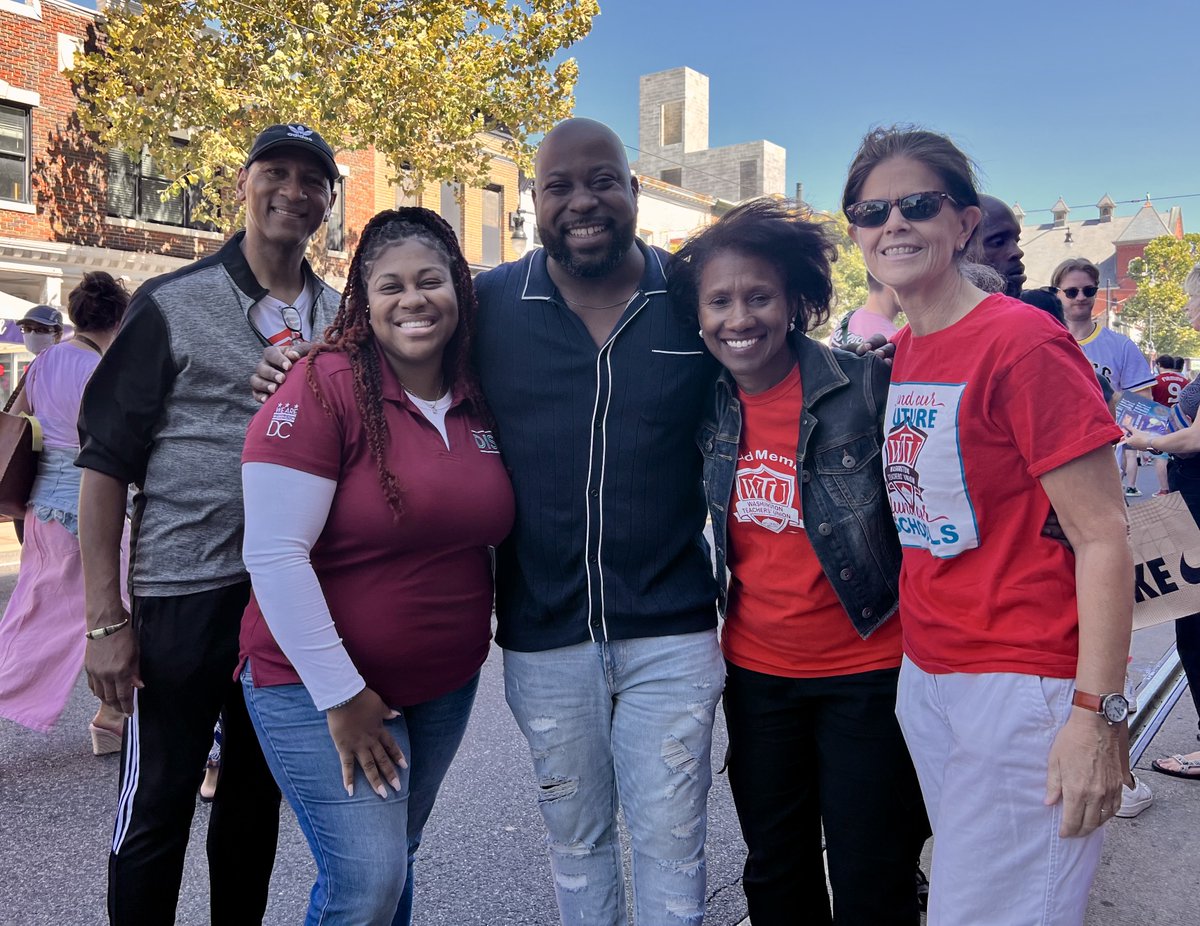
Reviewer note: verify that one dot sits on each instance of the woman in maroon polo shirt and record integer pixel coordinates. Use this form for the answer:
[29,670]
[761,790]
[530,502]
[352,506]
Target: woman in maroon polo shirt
[373,491]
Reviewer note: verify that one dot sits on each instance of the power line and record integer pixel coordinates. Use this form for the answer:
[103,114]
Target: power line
[1122,202]
[687,167]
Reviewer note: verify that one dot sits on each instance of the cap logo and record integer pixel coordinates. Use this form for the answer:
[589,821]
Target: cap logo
[300,131]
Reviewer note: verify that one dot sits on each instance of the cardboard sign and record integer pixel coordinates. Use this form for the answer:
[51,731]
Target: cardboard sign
[1165,543]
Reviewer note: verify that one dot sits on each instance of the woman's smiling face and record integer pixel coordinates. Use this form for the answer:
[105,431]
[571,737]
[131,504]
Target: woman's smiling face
[744,316]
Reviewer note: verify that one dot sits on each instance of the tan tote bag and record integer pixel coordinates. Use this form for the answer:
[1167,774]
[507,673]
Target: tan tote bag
[1165,543]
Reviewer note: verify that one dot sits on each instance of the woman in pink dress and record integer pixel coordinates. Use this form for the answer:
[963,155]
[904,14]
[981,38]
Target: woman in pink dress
[42,631]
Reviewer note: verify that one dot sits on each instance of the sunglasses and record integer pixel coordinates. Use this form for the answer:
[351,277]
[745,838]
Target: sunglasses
[916,207]
[1072,291]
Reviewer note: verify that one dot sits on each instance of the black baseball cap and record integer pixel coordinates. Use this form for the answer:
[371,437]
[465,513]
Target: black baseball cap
[298,136]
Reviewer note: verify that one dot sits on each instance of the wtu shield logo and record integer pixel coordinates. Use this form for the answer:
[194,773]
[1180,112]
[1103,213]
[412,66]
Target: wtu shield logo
[923,469]
[767,497]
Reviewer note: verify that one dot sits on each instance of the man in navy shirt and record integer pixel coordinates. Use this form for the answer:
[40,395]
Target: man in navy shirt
[605,592]
[605,595]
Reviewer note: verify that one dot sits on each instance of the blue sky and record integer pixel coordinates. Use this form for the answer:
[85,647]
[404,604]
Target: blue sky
[1050,98]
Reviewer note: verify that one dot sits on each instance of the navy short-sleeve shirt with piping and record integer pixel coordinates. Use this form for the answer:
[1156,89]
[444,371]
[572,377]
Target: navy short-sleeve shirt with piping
[600,444]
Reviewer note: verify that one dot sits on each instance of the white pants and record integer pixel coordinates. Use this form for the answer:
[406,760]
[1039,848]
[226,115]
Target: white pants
[981,747]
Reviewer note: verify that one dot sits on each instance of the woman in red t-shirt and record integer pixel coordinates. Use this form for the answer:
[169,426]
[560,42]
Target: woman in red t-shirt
[373,490]
[1015,645]
[804,538]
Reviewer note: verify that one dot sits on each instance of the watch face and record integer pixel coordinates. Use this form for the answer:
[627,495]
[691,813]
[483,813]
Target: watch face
[1115,708]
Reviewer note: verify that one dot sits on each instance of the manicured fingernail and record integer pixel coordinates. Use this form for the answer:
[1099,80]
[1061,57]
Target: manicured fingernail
[403,762]
[382,792]
[395,783]
[350,790]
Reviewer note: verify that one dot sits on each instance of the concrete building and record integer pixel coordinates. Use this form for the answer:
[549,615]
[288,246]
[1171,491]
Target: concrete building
[1108,241]
[673,141]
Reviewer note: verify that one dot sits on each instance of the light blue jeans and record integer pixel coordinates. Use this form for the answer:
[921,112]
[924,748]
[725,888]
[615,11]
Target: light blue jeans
[363,845]
[628,722]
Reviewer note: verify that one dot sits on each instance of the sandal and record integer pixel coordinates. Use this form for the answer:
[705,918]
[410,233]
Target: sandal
[104,740]
[1187,768]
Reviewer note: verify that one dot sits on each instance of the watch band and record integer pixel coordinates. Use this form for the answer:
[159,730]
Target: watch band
[1089,702]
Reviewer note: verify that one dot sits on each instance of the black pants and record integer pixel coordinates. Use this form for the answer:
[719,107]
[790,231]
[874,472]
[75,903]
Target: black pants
[189,650]
[1183,476]
[807,751]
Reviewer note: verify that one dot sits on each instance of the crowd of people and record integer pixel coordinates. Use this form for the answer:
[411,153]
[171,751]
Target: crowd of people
[921,571]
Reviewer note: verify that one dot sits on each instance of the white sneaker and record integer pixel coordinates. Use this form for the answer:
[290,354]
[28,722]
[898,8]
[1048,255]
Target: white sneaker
[1136,799]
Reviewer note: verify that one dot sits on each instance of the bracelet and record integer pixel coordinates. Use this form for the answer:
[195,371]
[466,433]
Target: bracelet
[343,703]
[101,632]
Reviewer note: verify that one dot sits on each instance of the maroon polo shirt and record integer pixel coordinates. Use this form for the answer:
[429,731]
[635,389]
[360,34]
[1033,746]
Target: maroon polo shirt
[411,599]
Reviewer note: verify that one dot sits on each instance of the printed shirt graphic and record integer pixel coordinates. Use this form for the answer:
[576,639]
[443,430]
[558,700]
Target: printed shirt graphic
[1167,387]
[976,414]
[1118,359]
[784,617]
[923,468]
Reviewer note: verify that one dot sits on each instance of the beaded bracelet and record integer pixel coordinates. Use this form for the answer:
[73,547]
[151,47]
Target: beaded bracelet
[101,632]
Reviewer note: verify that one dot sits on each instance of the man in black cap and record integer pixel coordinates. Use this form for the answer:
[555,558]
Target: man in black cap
[167,410]
[41,327]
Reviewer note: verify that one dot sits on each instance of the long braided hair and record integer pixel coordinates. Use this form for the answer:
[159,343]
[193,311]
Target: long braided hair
[350,332]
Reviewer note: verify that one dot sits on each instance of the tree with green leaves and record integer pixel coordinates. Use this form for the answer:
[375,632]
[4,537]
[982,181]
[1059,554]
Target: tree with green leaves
[849,272]
[1156,309]
[416,79]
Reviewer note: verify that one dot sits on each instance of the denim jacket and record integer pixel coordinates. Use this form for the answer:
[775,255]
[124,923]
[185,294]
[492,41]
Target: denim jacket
[839,471]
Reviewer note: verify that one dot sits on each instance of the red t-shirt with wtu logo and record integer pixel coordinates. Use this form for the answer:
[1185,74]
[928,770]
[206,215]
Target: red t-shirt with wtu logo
[784,617]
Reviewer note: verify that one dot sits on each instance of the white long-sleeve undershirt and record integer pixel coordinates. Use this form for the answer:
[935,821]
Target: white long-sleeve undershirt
[286,510]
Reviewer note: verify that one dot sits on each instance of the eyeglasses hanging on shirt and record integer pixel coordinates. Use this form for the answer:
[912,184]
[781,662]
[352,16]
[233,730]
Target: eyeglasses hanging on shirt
[293,321]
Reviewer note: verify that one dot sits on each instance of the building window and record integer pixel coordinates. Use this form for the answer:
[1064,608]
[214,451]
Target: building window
[335,227]
[14,153]
[450,209]
[672,122]
[30,8]
[135,192]
[493,212]
[672,175]
[747,179]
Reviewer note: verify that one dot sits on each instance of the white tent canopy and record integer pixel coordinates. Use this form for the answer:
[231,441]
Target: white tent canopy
[13,307]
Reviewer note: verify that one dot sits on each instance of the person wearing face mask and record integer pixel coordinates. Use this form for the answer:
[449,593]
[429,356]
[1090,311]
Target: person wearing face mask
[41,633]
[41,327]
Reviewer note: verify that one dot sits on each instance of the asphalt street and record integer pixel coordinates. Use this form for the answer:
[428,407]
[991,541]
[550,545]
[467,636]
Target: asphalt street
[482,862]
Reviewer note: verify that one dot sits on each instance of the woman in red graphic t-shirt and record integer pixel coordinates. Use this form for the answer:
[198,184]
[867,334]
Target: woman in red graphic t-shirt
[373,491]
[805,541]
[1015,646]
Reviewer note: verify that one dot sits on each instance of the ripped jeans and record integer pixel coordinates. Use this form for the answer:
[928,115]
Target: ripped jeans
[628,722]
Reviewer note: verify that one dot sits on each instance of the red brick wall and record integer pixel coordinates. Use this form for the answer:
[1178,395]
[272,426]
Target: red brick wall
[67,170]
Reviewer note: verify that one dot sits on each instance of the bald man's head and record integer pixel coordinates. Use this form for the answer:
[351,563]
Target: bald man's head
[584,198]
[997,237]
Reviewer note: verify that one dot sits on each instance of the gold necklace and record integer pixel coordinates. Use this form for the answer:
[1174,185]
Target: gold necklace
[431,405]
[611,305]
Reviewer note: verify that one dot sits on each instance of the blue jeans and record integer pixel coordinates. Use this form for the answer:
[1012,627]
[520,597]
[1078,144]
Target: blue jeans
[363,845]
[627,721]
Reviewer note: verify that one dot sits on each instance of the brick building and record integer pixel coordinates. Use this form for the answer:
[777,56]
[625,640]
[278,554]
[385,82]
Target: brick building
[1108,241]
[67,206]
